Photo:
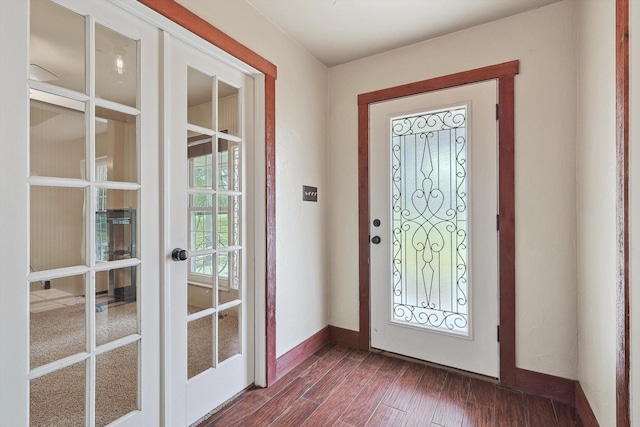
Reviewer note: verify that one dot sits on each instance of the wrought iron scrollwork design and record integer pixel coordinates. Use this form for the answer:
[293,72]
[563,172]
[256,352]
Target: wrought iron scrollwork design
[429,209]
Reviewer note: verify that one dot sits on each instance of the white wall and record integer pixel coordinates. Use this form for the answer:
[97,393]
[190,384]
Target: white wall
[596,155]
[543,40]
[634,198]
[301,116]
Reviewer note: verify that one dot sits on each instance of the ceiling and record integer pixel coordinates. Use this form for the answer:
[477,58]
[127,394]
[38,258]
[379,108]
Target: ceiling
[339,31]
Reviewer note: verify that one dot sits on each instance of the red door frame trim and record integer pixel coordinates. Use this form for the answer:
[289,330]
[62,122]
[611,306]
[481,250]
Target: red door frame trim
[505,74]
[623,347]
[192,22]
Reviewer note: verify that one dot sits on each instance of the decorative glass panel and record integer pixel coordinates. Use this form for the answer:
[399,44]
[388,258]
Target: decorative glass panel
[429,211]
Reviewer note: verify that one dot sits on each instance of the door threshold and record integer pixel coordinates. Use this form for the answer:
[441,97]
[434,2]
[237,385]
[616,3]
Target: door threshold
[435,365]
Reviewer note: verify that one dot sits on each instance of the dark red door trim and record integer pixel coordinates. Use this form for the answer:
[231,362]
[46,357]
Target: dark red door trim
[623,347]
[504,74]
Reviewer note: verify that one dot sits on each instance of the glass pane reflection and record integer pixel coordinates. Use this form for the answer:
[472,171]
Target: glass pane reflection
[57,136]
[199,298]
[116,307]
[228,109]
[57,319]
[228,166]
[229,264]
[116,383]
[200,346]
[199,98]
[116,146]
[58,398]
[57,46]
[57,227]
[229,325]
[116,67]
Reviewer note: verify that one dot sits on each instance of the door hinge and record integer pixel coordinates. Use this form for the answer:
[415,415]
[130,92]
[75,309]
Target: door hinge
[498,333]
[497,112]
[498,222]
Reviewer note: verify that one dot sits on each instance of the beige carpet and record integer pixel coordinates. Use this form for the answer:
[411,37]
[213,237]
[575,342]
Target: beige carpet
[58,399]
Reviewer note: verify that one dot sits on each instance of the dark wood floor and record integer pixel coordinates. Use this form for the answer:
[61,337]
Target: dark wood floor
[343,387]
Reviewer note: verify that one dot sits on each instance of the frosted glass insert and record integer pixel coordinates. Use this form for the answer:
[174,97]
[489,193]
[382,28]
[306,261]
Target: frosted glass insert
[429,210]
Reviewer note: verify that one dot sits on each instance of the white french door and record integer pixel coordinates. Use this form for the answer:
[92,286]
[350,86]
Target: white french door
[210,327]
[433,204]
[80,195]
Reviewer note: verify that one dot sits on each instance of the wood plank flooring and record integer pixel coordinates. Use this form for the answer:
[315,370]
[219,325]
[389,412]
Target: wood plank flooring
[344,387]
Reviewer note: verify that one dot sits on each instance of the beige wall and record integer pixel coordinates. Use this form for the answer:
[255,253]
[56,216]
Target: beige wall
[301,116]
[596,206]
[543,40]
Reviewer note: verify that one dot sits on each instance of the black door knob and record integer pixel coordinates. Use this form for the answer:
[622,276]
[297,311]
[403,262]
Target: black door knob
[376,222]
[179,254]
[375,240]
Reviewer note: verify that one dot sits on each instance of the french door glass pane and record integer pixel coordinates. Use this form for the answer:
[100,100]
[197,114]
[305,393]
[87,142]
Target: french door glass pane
[57,46]
[228,333]
[57,319]
[201,168]
[199,99]
[57,227]
[429,211]
[116,67]
[228,165]
[200,288]
[58,398]
[228,109]
[116,146]
[200,340]
[116,309]
[57,136]
[116,383]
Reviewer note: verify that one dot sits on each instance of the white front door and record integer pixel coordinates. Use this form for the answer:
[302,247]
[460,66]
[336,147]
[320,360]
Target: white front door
[210,328]
[79,310]
[433,204]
